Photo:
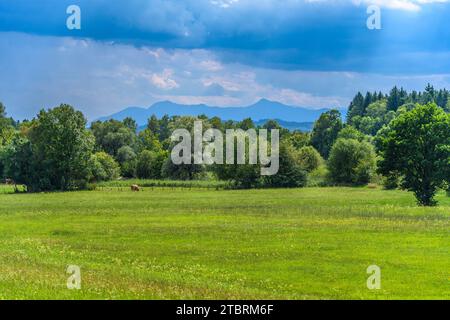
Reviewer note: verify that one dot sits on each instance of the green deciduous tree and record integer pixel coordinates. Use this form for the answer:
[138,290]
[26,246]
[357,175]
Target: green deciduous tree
[149,164]
[299,139]
[7,129]
[290,173]
[55,154]
[62,144]
[2,111]
[350,132]
[308,158]
[127,159]
[325,132]
[103,167]
[148,140]
[351,162]
[112,135]
[19,163]
[417,145]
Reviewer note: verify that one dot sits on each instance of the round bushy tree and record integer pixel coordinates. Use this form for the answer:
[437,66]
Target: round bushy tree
[351,162]
[290,173]
[125,153]
[416,145]
[308,158]
[350,132]
[56,152]
[103,167]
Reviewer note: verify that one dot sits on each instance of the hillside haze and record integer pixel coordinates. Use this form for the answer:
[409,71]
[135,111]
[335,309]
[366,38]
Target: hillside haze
[260,111]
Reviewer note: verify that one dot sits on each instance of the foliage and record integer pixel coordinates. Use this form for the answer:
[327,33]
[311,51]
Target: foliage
[180,172]
[290,173]
[103,167]
[7,129]
[128,168]
[125,153]
[146,153]
[299,139]
[2,111]
[112,135]
[246,124]
[326,131]
[391,181]
[350,132]
[370,113]
[148,140]
[128,161]
[319,177]
[55,153]
[247,176]
[308,158]
[149,164]
[19,163]
[351,162]
[417,146]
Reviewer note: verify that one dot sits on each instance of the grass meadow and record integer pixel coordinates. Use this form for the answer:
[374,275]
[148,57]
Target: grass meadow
[200,243]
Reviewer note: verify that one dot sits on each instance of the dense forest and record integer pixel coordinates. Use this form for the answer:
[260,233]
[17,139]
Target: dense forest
[400,140]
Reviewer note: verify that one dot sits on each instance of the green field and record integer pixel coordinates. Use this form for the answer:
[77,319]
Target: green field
[174,243]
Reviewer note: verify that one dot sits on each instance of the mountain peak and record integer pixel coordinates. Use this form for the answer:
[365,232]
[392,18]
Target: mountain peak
[265,101]
[268,104]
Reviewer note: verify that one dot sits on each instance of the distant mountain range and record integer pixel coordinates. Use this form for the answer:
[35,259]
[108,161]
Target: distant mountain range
[288,116]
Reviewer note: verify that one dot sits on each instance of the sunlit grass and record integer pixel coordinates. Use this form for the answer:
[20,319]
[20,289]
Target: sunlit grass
[266,244]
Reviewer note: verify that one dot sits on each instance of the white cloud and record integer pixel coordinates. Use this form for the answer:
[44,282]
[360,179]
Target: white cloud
[245,84]
[224,3]
[296,98]
[109,78]
[164,81]
[211,65]
[219,101]
[409,5]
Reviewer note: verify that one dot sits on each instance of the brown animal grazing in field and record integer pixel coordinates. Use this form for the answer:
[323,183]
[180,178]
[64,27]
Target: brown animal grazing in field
[135,188]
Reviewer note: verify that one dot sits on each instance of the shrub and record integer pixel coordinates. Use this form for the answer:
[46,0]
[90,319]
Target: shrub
[247,176]
[318,177]
[103,167]
[125,154]
[128,168]
[91,187]
[149,164]
[309,159]
[391,181]
[351,162]
[290,173]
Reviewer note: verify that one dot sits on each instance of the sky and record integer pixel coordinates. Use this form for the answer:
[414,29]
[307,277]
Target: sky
[306,53]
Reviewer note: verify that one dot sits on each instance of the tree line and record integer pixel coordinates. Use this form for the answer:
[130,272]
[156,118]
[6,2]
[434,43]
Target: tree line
[401,138]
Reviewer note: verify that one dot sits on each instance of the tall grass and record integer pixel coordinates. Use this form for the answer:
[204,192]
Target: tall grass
[194,184]
[312,243]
